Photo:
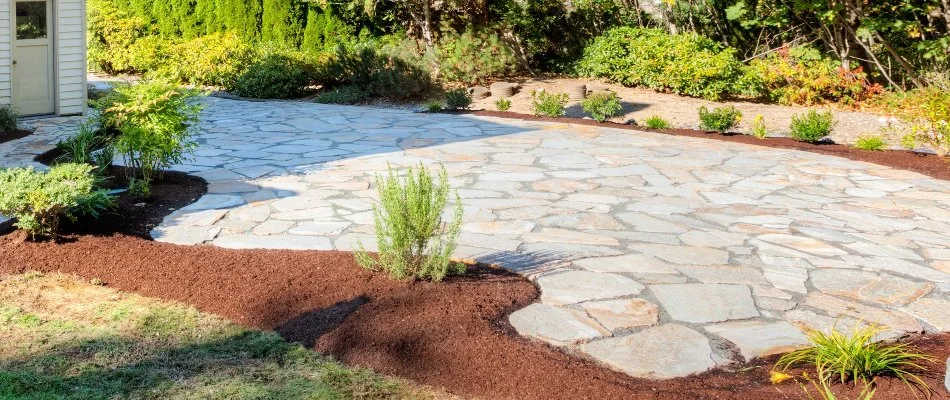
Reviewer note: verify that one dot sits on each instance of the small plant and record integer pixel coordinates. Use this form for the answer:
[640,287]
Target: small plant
[758,127]
[8,118]
[927,113]
[350,94]
[656,122]
[547,104]
[841,357]
[457,99]
[811,126]
[38,200]
[139,188]
[433,106]
[412,239]
[870,143]
[81,147]
[502,104]
[154,123]
[909,141]
[719,119]
[602,105]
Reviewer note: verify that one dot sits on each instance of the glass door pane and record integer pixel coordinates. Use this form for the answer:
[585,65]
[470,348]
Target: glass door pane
[31,20]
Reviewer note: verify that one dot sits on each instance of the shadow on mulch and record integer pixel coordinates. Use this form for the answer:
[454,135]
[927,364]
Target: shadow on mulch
[14,135]
[452,335]
[922,163]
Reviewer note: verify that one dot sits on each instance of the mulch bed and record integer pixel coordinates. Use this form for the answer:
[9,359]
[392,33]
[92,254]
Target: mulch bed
[14,135]
[452,335]
[922,163]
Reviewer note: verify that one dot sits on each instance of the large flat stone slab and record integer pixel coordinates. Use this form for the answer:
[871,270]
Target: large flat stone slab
[555,325]
[623,313]
[662,352]
[579,286]
[703,303]
[760,338]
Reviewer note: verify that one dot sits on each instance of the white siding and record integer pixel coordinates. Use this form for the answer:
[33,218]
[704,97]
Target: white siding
[70,56]
[5,62]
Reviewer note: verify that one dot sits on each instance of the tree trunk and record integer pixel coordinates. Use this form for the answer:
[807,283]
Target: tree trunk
[427,25]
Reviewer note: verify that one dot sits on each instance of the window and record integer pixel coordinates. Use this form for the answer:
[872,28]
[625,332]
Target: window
[31,20]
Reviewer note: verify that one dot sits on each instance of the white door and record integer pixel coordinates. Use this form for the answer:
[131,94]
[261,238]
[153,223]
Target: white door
[33,57]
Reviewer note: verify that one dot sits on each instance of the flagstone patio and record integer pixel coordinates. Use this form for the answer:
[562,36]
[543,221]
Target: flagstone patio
[661,256]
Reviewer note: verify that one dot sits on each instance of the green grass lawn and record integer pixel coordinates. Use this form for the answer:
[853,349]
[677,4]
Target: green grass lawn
[63,338]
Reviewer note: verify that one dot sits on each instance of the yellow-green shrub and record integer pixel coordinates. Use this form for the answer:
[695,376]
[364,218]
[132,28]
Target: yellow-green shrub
[216,59]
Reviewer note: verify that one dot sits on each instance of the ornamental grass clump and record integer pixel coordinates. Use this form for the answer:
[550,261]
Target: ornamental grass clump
[656,122]
[719,119]
[413,241]
[602,105]
[856,357]
[870,143]
[39,200]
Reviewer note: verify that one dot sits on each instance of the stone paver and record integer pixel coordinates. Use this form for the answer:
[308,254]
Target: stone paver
[629,234]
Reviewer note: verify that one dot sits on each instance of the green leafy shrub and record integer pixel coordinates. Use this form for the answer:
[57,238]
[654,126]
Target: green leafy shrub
[433,106]
[413,242]
[656,122]
[113,34]
[457,99]
[276,76]
[759,130]
[502,104]
[811,126]
[688,64]
[473,56]
[349,94]
[927,113]
[217,59]
[802,76]
[39,200]
[393,72]
[547,104]
[719,119]
[153,122]
[602,105]
[8,118]
[870,143]
[842,357]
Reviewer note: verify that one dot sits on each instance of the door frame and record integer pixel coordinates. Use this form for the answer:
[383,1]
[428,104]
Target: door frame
[52,38]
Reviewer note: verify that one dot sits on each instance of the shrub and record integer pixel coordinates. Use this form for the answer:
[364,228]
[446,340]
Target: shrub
[927,113]
[502,104]
[433,106]
[8,118]
[758,127]
[656,122]
[457,99]
[811,126]
[719,119]
[38,200]
[276,76]
[153,122]
[688,64]
[473,56]
[802,76]
[393,72]
[856,357]
[350,94]
[413,243]
[112,34]
[870,143]
[217,59]
[548,104]
[602,105]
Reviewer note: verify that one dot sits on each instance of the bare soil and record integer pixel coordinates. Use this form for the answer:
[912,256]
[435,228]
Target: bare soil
[922,163]
[452,335]
[682,112]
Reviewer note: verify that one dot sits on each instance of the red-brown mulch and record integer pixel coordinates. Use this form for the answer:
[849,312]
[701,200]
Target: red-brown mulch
[926,164]
[452,335]
[7,136]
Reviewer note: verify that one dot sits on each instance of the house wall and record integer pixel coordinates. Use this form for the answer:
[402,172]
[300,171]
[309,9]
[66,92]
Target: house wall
[69,59]
[5,61]
[70,64]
